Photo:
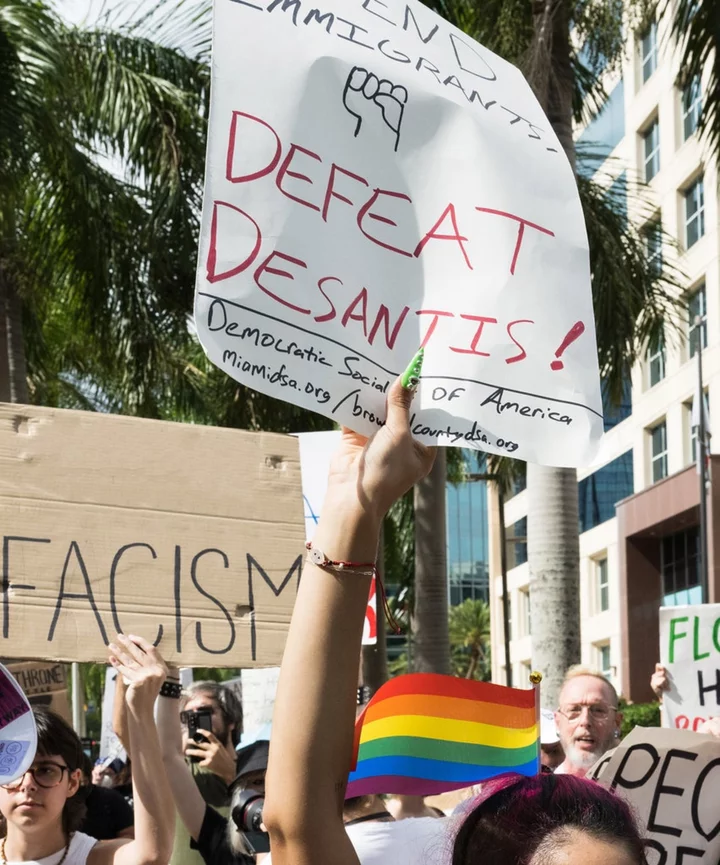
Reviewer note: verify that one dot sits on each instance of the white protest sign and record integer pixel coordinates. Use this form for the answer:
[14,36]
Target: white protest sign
[259,688]
[110,746]
[672,780]
[690,651]
[316,450]
[377,181]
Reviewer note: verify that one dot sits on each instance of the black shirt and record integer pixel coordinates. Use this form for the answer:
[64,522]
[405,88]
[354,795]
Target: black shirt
[107,813]
[213,844]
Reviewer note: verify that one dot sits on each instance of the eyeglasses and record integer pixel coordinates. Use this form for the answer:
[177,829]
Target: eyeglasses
[45,775]
[597,711]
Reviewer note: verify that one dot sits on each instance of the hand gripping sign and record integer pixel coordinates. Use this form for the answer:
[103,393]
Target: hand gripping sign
[377,181]
[18,733]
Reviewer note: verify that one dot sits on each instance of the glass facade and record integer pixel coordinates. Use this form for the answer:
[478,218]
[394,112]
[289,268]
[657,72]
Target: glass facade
[604,132]
[467,541]
[680,569]
[599,493]
[615,412]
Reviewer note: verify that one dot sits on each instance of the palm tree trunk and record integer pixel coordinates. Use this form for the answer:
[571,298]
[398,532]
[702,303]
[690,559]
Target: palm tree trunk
[16,345]
[5,394]
[554,563]
[472,666]
[431,639]
[553,535]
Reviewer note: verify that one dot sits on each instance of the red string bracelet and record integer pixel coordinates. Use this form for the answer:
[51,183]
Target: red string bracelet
[366,569]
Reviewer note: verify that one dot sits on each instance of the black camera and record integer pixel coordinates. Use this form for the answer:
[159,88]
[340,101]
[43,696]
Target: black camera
[247,815]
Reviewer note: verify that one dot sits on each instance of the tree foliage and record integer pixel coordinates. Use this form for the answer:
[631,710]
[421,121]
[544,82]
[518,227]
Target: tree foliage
[470,639]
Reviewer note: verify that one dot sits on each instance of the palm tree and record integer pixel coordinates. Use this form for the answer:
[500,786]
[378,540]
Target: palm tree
[631,302]
[696,29]
[431,642]
[98,266]
[470,639]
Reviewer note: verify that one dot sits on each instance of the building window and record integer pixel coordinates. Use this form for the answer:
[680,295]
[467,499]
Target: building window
[652,236]
[602,586]
[603,660]
[694,429]
[599,493]
[651,151]
[697,320]
[694,212]
[658,450]
[516,540]
[680,568]
[691,106]
[524,612]
[656,362]
[648,51]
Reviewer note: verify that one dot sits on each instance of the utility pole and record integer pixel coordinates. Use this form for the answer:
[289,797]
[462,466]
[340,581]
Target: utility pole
[702,465]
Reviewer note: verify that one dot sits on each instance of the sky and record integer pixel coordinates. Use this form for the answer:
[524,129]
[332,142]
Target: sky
[89,12]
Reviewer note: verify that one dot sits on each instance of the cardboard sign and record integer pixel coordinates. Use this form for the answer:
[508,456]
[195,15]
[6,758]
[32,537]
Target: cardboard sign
[45,685]
[377,181]
[316,450]
[690,651]
[672,780]
[189,536]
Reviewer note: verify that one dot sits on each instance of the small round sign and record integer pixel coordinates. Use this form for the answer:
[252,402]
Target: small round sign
[18,733]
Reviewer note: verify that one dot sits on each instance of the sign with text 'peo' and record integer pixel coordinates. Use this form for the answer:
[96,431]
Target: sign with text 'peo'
[189,536]
[671,778]
[690,652]
[377,181]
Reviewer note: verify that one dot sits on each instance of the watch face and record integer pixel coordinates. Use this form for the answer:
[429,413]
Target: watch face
[317,557]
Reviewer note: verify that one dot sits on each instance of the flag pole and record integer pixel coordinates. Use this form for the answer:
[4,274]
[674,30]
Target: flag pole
[535,680]
[701,465]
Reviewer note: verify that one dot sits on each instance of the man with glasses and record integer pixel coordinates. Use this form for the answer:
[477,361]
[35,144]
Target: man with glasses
[587,719]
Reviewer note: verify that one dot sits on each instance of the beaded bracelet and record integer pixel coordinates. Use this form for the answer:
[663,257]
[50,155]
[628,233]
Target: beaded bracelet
[172,690]
[318,558]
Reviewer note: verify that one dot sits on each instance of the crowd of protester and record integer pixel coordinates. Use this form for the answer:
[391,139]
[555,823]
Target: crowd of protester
[188,793]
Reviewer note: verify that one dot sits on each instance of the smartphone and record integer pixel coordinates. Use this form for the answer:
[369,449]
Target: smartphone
[199,720]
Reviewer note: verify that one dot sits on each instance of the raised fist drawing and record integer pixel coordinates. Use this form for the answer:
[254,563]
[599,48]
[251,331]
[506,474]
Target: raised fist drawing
[366,96]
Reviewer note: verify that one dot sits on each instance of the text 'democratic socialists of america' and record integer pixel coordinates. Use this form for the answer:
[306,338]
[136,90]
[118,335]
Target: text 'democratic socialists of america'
[377,182]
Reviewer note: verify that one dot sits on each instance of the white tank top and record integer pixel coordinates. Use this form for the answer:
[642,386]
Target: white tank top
[80,847]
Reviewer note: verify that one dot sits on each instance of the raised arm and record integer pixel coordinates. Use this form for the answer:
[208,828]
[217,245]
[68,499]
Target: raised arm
[119,714]
[311,745]
[143,668]
[186,795]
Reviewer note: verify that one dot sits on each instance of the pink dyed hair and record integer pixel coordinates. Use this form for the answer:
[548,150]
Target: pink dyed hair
[516,817]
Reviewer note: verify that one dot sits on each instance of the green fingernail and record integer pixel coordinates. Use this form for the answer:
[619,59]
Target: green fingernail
[411,377]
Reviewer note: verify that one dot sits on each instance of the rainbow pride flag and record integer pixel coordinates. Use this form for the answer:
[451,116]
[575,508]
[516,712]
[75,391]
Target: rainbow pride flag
[424,733]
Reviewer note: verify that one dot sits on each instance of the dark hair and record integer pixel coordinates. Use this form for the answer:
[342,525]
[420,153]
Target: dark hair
[56,736]
[228,703]
[520,820]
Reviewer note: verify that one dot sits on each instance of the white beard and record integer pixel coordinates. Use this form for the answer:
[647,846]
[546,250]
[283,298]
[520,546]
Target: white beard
[582,759]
